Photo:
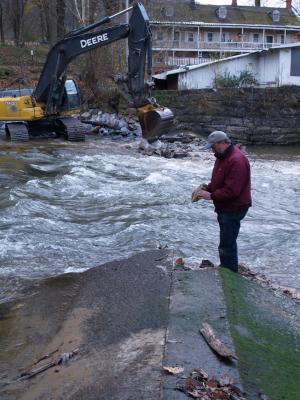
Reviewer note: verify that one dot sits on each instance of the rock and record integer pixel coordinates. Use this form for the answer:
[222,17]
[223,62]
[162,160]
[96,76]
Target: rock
[180,154]
[86,115]
[124,131]
[131,112]
[144,144]
[206,264]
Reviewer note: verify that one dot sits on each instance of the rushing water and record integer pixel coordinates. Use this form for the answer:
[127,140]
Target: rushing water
[67,207]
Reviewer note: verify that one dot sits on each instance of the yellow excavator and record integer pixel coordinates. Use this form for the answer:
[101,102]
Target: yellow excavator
[49,107]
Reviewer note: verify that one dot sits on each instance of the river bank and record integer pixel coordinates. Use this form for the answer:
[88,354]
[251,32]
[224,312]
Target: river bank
[129,319]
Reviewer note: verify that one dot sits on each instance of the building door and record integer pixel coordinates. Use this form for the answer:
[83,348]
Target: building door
[269,40]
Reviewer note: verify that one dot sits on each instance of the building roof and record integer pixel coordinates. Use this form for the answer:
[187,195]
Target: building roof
[178,11]
[181,70]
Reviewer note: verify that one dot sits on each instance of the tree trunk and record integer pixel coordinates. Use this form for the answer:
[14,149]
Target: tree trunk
[61,14]
[16,10]
[48,16]
[111,6]
[1,26]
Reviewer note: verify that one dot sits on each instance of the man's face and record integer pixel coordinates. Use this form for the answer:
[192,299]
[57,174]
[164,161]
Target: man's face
[219,147]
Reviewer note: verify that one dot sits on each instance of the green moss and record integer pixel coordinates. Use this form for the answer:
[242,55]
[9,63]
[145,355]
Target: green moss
[266,340]
[167,98]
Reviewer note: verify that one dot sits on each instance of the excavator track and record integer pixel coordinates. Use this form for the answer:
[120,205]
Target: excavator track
[17,132]
[73,129]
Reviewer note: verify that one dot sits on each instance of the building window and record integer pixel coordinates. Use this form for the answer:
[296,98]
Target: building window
[255,37]
[222,12]
[159,36]
[190,37]
[282,39]
[295,62]
[223,37]
[169,11]
[210,36]
[276,16]
[176,36]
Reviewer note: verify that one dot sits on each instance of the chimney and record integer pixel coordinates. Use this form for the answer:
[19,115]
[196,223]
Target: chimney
[234,3]
[257,3]
[289,5]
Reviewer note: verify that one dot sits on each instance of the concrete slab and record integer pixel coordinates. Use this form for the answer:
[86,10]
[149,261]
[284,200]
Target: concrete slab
[197,297]
[131,317]
[116,314]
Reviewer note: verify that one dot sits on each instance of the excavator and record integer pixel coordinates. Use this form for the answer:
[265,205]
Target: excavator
[50,105]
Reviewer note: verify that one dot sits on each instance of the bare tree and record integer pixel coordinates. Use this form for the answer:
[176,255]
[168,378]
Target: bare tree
[111,6]
[48,18]
[61,15]
[2,38]
[15,11]
[82,10]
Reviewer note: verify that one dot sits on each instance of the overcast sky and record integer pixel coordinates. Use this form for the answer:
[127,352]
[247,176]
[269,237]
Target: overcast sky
[266,3]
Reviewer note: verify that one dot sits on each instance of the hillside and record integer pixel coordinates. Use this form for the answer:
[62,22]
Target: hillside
[20,69]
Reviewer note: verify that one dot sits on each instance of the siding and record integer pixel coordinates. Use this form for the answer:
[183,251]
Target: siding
[204,77]
[270,68]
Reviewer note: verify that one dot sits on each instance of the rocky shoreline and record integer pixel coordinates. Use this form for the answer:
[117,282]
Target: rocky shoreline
[177,144]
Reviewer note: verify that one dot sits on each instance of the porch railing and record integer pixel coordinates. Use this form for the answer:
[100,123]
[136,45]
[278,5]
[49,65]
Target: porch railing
[181,61]
[203,46]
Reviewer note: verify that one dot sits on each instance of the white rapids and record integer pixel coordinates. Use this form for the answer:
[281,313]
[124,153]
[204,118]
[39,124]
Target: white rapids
[68,207]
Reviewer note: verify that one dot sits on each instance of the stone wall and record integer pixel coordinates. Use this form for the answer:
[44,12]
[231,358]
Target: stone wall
[250,116]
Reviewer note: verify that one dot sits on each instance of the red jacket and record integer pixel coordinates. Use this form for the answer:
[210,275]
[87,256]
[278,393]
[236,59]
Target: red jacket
[230,184]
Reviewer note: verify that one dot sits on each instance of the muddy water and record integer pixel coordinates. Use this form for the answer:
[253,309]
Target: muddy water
[67,207]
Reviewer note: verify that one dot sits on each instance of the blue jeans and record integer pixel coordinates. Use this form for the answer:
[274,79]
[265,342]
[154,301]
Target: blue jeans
[229,229]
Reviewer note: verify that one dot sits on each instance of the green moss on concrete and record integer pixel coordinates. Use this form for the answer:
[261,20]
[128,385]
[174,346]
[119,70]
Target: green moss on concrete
[266,333]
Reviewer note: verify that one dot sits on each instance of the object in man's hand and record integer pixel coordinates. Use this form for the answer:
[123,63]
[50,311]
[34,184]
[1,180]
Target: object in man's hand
[195,197]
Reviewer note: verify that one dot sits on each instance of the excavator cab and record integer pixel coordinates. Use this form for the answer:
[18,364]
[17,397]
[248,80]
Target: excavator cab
[71,98]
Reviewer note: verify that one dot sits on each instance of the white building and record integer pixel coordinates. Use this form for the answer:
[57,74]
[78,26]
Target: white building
[188,33]
[277,66]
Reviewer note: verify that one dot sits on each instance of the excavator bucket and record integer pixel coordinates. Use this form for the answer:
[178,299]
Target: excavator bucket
[155,121]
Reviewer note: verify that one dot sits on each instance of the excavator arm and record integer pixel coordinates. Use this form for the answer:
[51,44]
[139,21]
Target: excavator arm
[155,120]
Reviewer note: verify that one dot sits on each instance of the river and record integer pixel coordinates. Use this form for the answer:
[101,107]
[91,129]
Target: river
[70,206]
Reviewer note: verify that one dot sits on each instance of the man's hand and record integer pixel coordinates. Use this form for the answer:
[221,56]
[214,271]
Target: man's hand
[195,194]
[203,194]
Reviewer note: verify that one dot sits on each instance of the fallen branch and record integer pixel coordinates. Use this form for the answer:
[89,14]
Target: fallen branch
[46,356]
[214,343]
[60,360]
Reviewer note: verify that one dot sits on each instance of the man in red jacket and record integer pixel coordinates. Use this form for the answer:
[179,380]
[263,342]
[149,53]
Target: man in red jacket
[230,191]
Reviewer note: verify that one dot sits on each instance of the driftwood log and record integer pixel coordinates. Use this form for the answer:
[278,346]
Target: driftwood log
[214,343]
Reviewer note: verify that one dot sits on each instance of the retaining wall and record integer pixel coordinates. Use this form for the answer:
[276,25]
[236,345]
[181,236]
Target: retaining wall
[250,116]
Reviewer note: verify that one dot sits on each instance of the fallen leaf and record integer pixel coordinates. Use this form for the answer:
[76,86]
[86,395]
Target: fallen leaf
[212,384]
[199,373]
[226,380]
[173,370]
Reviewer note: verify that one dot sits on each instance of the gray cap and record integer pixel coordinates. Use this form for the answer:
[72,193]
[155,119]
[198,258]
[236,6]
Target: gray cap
[215,137]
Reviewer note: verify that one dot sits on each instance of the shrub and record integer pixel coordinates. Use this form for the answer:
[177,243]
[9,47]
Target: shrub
[245,78]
